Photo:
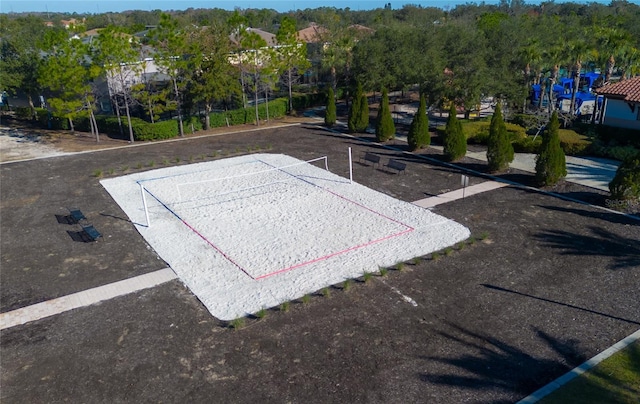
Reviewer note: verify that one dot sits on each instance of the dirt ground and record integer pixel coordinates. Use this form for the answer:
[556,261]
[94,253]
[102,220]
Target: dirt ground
[553,283]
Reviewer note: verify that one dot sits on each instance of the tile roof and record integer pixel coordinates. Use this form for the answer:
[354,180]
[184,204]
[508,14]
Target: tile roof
[628,90]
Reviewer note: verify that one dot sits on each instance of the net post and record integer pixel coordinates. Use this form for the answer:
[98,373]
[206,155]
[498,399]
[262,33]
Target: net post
[350,167]
[144,203]
[326,163]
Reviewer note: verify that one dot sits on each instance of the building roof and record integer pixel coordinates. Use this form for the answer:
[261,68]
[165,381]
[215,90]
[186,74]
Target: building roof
[269,38]
[313,33]
[627,90]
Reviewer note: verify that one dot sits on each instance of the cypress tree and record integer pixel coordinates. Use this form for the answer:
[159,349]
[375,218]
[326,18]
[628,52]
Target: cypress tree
[550,162]
[385,128]
[455,142]
[499,148]
[354,110]
[419,136]
[330,113]
[362,123]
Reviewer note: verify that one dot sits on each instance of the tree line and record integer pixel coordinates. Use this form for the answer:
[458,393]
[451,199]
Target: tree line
[455,56]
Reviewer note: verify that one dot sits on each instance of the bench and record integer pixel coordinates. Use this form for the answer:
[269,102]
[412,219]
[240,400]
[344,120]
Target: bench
[370,157]
[91,232]
[76,215]
[396,165]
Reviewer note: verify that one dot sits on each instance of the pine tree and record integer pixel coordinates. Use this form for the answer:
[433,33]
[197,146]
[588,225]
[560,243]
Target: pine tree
[499,148]
[330,113]
[419,136]
[455,142]
[354,110]
[550,162]
[385,128]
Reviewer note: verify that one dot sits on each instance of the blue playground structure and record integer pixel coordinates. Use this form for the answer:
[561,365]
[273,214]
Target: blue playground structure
[585,97]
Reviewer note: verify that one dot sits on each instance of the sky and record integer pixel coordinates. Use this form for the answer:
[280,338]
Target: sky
[103,6]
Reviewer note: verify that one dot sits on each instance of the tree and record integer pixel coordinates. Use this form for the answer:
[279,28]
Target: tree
[353,121]
[119,59]
[252,45]
[550,162]
[455,141]
[292,55]
[385,128]
[67,74]
[358,120]
[212,77]
[626,183]
[20,55]
[330,114]
[419,136]
[170,46]
[499,148]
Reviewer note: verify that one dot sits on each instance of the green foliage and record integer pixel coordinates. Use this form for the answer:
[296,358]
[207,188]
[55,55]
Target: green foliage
[346,285]
[237,323]
[499,150]
[358,112]
[626,183]
[455,142]
[550,162]
[573,143]
[330,114]
[385,128]
[418,136]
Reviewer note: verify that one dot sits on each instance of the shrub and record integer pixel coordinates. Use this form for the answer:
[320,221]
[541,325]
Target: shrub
[23,112]
[573,143]
[330,113]
[550,162]
[455,142]
[528,145]
[626,183]
[419,136]
[499,150]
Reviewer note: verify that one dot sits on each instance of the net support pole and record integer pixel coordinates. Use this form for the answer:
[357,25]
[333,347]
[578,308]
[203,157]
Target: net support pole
[350,167]
[144,203]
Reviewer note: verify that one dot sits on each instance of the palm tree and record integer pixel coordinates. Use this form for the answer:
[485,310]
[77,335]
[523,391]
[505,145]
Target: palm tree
[531,55]
[578,49]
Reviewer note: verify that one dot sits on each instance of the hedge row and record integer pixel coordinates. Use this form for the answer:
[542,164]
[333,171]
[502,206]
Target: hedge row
[143,130]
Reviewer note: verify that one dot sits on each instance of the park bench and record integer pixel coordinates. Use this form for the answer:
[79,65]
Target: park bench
[76,215]
[370,157]
[91,232]
[396,165]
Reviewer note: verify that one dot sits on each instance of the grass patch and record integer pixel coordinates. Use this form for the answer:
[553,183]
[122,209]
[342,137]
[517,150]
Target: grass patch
[461,245]
[176,160]
[447,251]
[306,299]
[152,163]
[97,173]
[285,306]
[383,271]
[614,380]
[435,256]
[483,236]
[346,285]
[125,169]
[326,292]
[237,323]
[471,241]
[261,314]
[366,278]
[139,166]
[416,260]
[399,266]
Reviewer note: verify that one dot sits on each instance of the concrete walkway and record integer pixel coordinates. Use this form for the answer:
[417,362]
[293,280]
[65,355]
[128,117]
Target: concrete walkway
[459,194]
[85,298]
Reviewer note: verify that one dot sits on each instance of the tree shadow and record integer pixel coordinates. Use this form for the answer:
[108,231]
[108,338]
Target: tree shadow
[624,251]
[601,215]
[497,365]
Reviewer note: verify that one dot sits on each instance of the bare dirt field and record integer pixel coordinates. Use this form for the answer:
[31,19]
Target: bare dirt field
[551,283]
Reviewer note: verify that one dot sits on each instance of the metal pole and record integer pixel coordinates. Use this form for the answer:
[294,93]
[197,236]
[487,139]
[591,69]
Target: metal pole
[144,202]
[350,167]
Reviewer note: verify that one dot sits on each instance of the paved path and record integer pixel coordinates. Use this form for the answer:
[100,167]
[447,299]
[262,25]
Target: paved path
[459,194]
[84,298]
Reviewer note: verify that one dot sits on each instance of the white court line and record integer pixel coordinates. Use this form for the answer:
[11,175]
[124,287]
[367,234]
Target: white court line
[458,193]
[85,298]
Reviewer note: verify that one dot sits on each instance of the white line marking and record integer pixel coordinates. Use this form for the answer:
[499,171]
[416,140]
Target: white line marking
[457,194]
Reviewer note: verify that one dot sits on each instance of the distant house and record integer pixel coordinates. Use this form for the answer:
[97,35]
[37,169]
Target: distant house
[621,104]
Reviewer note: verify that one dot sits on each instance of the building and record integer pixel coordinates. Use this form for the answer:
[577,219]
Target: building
[621,104]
